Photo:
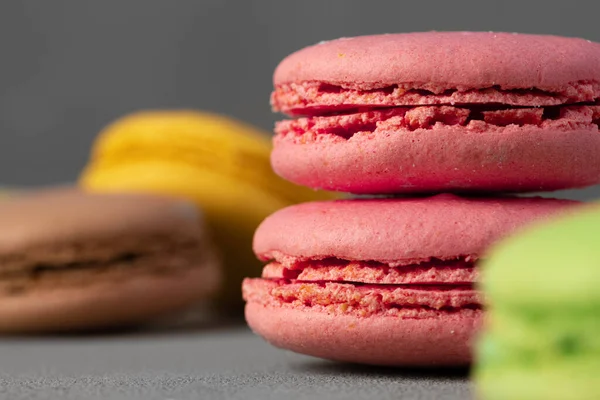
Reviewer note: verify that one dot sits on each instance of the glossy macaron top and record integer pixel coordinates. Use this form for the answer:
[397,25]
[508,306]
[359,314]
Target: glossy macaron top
[550,266]
[470,59]
[398,231]
[439,67]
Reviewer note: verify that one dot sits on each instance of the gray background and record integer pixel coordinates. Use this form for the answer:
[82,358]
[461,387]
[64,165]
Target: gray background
[69,67]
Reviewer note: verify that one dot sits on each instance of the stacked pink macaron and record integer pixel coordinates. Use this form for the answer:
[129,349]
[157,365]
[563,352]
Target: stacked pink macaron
[390,281]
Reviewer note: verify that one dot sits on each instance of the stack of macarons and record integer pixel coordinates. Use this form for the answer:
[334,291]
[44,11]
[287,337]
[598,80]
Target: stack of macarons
[450,121]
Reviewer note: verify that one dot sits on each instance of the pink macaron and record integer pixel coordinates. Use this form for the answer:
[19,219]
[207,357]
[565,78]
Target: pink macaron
[453,111]
[380,281]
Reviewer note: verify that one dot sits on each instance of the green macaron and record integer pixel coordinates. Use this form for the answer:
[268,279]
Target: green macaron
[541,338]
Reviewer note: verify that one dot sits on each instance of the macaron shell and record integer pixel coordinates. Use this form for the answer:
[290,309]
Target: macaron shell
[186,126]
[376,340]
[453,59]
[444,158]
[396,231]
[107,303]
[65,215]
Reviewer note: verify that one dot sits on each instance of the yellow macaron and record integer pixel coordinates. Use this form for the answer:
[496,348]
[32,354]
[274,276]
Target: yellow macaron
[221,164]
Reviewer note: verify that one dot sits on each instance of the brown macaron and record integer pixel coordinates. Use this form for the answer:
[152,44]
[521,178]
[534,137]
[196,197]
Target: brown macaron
[72,261]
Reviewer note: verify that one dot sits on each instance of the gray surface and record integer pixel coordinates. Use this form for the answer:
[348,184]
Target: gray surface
[71,66]
[219,363]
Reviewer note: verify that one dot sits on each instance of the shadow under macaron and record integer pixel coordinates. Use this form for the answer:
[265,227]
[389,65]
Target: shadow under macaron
[323,367]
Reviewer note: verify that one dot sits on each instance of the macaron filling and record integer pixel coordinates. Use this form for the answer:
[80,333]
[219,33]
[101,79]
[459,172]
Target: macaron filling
[455,272]
[365,288]
[318,97]
[70,265]
[364,300]
[475,119]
